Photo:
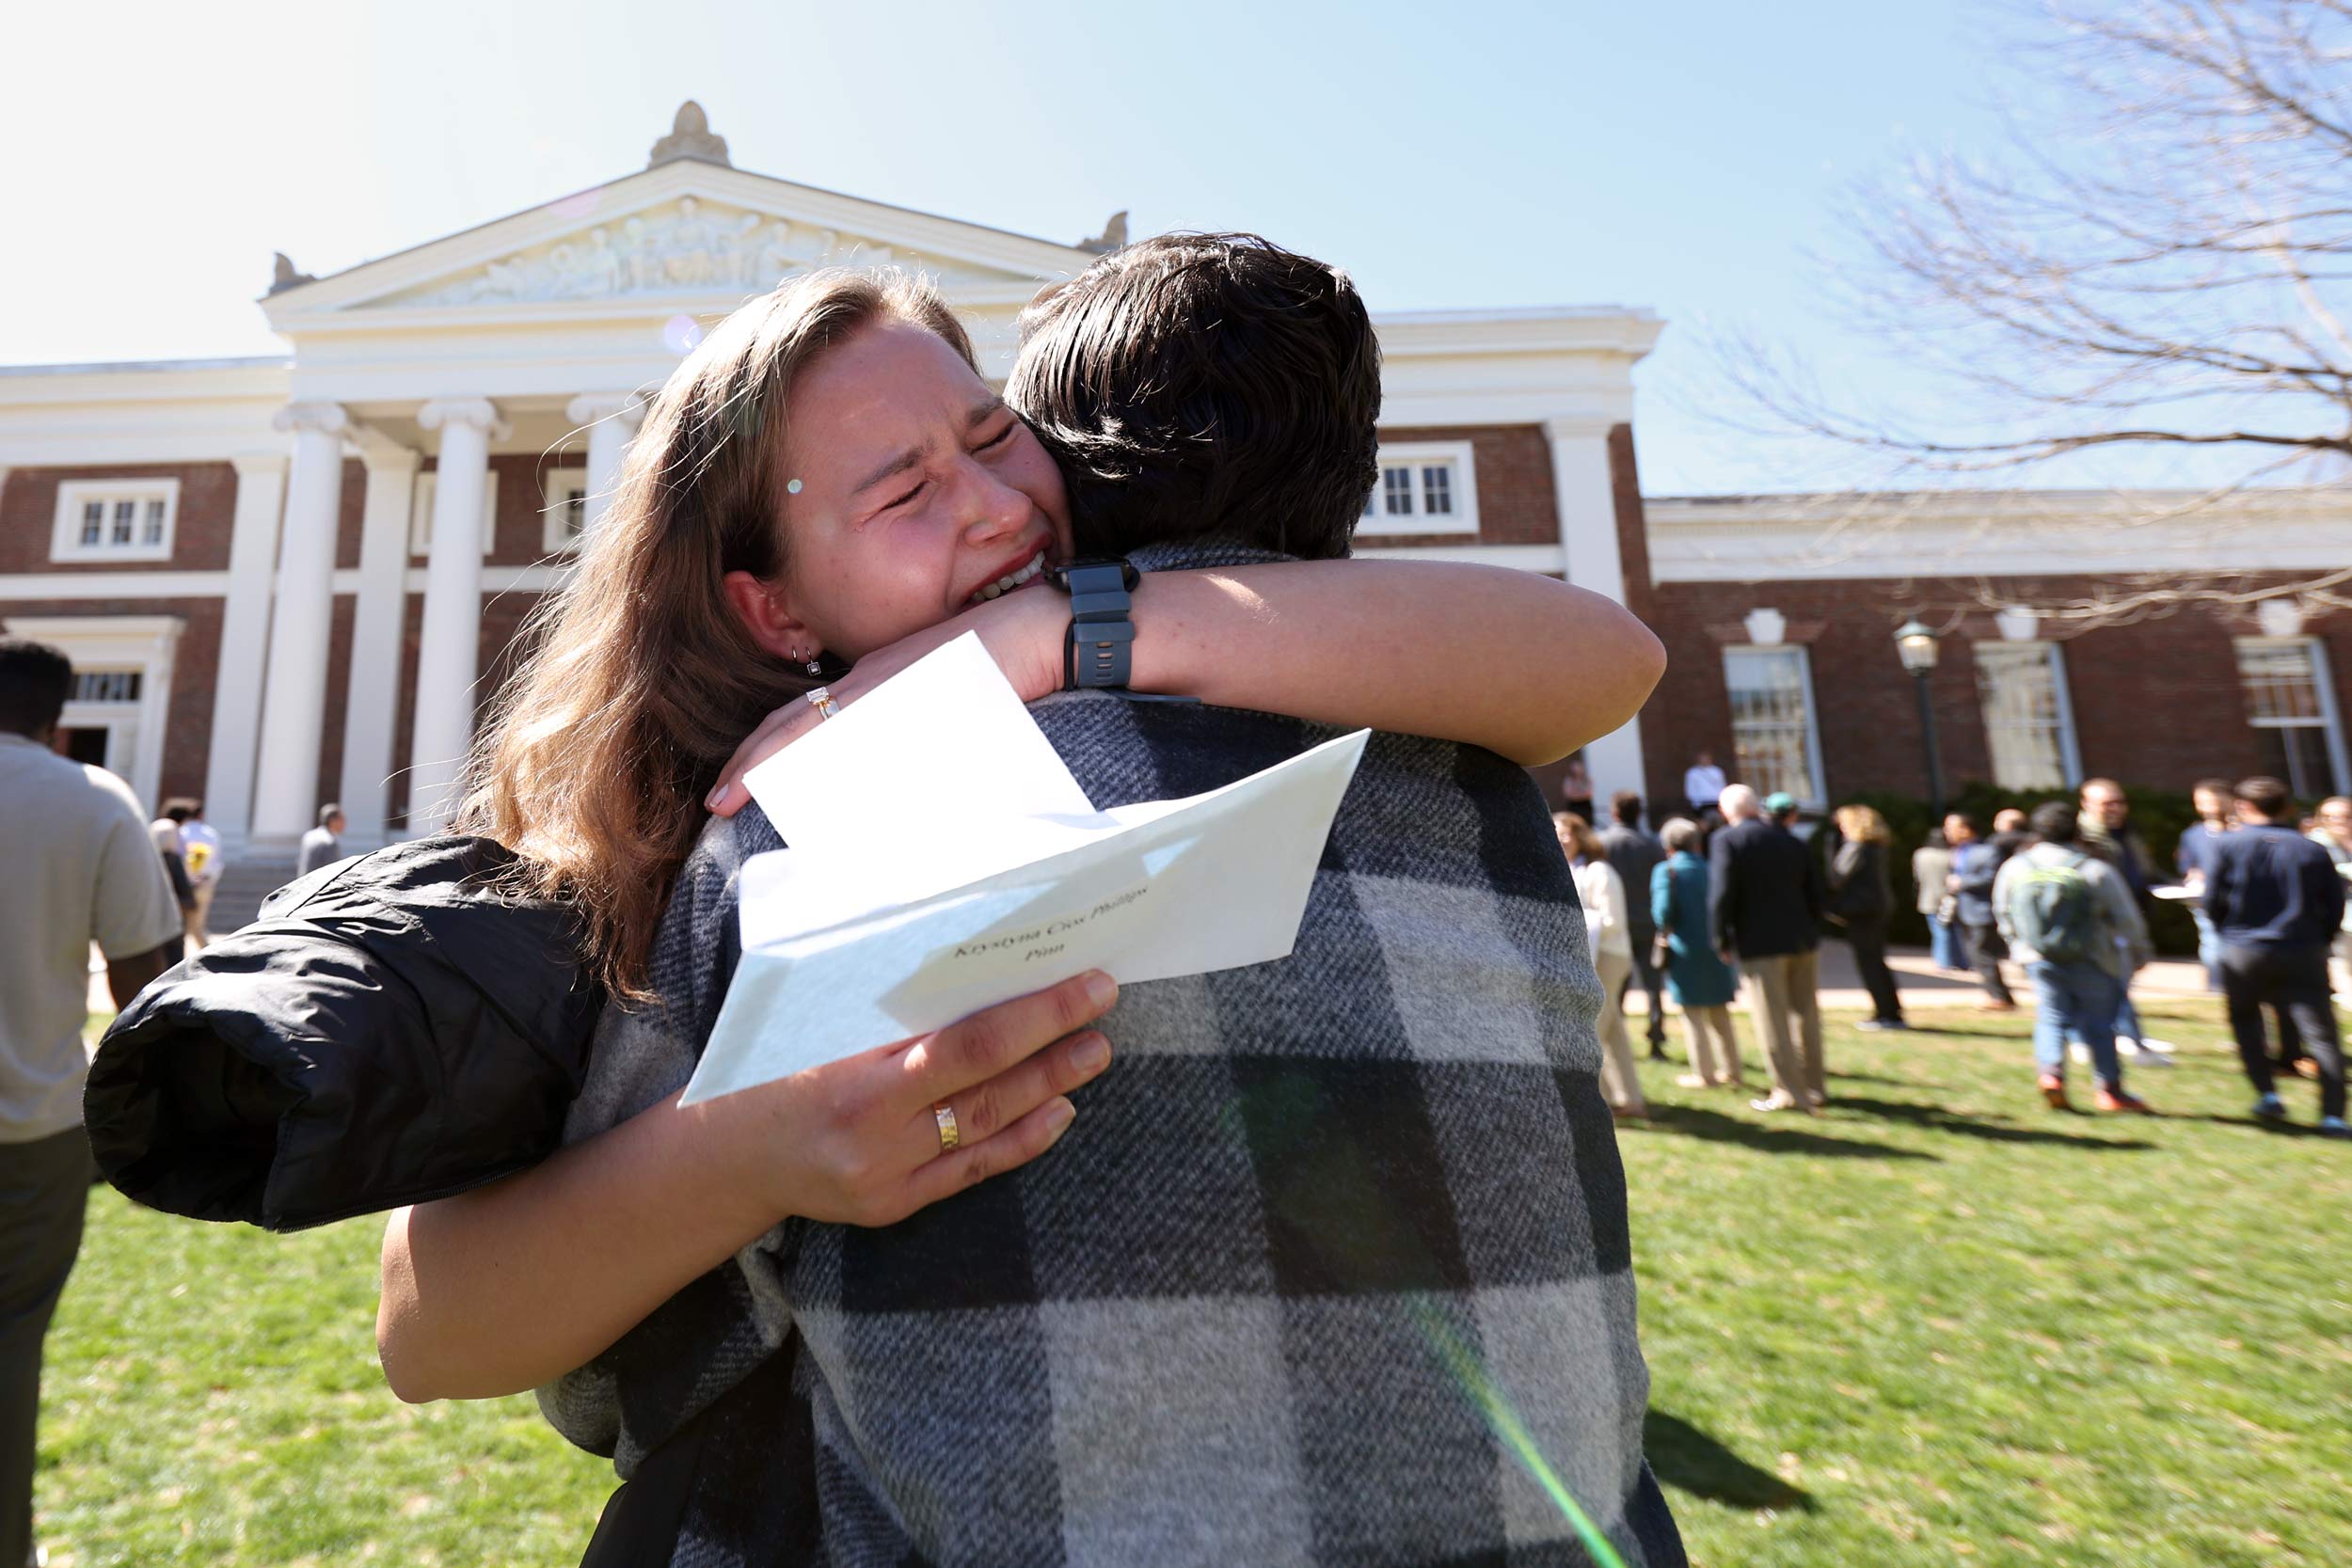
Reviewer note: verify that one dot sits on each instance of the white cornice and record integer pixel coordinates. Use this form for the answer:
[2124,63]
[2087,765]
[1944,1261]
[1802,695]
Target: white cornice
[1993,533]
[1547,329]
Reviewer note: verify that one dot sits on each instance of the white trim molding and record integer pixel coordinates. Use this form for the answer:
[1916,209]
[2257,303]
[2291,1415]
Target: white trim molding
[1456,460]
[562,510]
[154,508]
[1993,534]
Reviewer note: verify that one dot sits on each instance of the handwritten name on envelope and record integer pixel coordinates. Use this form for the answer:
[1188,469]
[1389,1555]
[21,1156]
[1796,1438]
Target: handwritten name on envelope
[942,861]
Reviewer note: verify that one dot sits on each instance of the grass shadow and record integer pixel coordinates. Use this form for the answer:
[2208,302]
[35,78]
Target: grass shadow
[1685,1458]
[1935,1119]
[1876,1078]
[1795,1139]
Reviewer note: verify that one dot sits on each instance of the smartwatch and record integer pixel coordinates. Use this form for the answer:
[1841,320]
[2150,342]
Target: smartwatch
[1097,648]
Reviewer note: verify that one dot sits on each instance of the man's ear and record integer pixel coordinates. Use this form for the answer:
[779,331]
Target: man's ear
[762,608]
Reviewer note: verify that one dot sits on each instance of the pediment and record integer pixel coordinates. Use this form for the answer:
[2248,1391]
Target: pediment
[687,236]
[686,249]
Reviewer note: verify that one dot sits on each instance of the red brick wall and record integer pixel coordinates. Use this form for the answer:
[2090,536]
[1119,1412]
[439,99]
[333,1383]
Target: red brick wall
[199,537]
[1514,474]
[2155,702]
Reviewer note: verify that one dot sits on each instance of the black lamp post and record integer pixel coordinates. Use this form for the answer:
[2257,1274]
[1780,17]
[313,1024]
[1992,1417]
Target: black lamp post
[1917,646]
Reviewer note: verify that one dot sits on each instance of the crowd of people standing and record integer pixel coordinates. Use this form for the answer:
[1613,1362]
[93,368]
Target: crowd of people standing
[1736,897]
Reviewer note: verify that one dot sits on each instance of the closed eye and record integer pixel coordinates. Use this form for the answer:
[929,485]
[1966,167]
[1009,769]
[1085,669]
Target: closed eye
[999,438]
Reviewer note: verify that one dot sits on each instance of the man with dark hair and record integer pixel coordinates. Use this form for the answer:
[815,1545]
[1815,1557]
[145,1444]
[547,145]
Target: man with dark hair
[1635,854]
[2215,800]
[1203,386]
[1301,1163]
[2276,902]
[2070,919]
[2107,833]
[323,844]
[81,870]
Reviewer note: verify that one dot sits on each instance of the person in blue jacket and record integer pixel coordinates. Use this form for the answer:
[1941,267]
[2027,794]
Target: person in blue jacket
[1702,984]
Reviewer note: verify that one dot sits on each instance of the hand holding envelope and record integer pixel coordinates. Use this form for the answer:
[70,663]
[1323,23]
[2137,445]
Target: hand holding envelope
[915,894]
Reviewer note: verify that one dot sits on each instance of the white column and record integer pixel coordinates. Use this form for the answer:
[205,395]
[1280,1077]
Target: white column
[286,777]
[244,644]
[373,700]
[448,645]
[611,419]
[1586,504]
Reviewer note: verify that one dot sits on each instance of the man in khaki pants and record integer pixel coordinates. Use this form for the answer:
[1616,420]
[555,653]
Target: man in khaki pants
[1765,902]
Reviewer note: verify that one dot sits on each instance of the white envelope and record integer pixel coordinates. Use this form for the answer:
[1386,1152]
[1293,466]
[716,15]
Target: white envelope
[873,927]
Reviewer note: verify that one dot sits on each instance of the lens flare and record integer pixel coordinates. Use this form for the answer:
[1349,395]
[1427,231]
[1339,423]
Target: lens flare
[681,332]
[1463,1363]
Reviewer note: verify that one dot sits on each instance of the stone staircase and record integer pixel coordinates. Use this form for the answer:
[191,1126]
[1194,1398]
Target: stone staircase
[247,878]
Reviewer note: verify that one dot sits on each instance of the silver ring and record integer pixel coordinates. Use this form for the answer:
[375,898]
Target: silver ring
[821,700]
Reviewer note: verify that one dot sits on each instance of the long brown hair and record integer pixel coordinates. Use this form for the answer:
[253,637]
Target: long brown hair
[594,761]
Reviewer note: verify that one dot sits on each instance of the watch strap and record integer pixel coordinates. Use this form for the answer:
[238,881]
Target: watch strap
[1097,650]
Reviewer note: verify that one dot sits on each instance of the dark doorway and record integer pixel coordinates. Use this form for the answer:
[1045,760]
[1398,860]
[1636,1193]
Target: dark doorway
[83,745]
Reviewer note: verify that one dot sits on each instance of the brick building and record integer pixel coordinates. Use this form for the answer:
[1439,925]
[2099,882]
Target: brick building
[288,580]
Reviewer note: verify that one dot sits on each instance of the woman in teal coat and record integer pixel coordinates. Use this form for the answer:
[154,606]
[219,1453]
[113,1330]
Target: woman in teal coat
[1701,982]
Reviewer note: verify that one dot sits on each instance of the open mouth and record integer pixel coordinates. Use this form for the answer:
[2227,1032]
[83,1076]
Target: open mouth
[1019,576]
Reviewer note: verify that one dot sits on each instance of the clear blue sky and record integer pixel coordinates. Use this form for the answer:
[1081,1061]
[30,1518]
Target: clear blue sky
[1681,158]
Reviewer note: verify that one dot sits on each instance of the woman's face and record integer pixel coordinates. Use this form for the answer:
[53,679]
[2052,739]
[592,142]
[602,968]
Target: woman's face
[910,489]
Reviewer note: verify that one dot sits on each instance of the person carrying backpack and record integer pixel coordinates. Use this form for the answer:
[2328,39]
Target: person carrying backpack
[2070,920]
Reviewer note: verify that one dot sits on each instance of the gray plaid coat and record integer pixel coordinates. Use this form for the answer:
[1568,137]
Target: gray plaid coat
[1330,1269]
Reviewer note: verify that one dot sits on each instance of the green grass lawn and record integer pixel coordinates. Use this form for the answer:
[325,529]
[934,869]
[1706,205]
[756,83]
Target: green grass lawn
[1938,1324]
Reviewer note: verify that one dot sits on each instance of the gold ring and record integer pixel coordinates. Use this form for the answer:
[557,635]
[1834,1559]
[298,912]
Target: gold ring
[821,700]
[945,1114]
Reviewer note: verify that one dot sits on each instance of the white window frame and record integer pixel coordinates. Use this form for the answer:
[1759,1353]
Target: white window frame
[1462,455]
[2330,723]
[420,514]
[1819,798]
[65,535]
[2070,754]
[558,489]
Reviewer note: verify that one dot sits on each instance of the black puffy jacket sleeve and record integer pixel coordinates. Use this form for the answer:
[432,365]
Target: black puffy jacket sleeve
[391,1030]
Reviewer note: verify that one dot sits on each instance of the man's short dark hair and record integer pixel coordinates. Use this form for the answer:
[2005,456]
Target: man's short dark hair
[2056,822]
[34,679]
[1626,806]
[1195,386]
[2271,796]
[178,808]
[2214,786]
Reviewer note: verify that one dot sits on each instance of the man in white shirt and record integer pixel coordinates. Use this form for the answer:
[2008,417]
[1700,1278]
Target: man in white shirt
[81,869]
[1702,782]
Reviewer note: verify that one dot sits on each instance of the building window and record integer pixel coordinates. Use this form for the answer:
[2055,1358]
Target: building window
[1425,487]
[2029,725]
[1774,736]
[105,686]
[420,514]
[565,511]
[114,519]
[2291,706]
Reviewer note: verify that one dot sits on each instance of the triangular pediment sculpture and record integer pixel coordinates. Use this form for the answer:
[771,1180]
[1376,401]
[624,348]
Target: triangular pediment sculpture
[690,247]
